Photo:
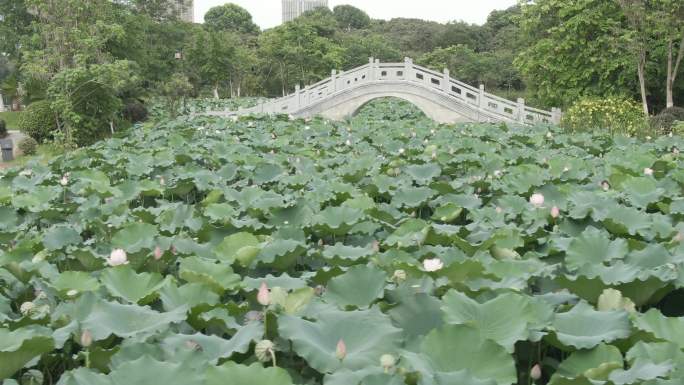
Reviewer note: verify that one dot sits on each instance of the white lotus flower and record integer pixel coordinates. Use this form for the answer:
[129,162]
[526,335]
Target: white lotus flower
[648,171]
[118,257]
[401,151]
[86,338]
[348,142]
[72,293]
[433,264]
[537,200]
[64,181]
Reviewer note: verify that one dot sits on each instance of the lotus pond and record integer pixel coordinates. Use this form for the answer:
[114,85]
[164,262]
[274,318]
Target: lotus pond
[386,250]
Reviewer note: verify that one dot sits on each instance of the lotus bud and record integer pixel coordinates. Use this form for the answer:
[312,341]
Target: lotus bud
[264,350]
[648,171]
[376,246]
[273,136]
[675,151]
[348,142]
[555,212]
[86,338]
[162,181]
[499,210]
[537,200]
[401,151]
[399,276]
[64,181]
[27,308]
[341,350]
[387,362]
[536,372]
[117,258]
[158,253]
[413,134]
[549,135]
[432,264]
[434,155]
[264,295]
[433,131]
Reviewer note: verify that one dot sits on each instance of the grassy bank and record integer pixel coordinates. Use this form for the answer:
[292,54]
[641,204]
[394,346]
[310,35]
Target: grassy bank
[11,118]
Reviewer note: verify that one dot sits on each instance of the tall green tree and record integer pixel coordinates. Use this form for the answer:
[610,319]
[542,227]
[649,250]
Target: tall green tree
[230,18]
[670,25]
[571,51]
[349,17]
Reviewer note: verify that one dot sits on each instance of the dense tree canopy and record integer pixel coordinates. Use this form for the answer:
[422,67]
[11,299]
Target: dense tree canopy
[230,18]
[349,17]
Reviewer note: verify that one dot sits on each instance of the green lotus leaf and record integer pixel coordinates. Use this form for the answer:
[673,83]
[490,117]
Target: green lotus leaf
[74,280]
[594,247]
[246,375]
[583,327]
[125,283]
[461,377]
[39,199]
[8,218]
[640,371]
[284,280]
[658,353]
[417,314]
[641,191]
[220,212]
[367,334]
[192,295]
[266,173]
[298,300]
[104,318]
[360,286]
[338,220]
[413,232]
[92,179]
[447,212]
[455,348]
[213,348]
[412,196]
[219,276]
[84,376]
[663,328]
[345,252]
[242,247]
[503,320]
[134,237]
[178,216]
[147,370]
[594,364]
[627,220]
[58,237]
[19,347]
[423,173]
[281,252]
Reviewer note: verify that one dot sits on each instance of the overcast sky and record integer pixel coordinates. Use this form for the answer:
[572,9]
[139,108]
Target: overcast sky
[267,13]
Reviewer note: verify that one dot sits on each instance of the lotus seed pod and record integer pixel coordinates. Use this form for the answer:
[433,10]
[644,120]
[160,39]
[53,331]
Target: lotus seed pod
[27,308]
[158,253]
[341,350]
[555,212]
[86,338]
[118,257]
[399,276]
[536,372]
[537,200]
[387,361]
[264,295]
[264,350]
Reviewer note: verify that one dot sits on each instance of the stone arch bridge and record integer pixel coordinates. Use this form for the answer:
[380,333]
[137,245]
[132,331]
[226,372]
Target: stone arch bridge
[440,97]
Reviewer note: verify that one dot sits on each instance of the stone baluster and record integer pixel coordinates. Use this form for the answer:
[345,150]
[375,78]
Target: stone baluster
[408,68]
[297,98]
[521,110]
[481,97]
[333,81]
[371,69]
[446,82]
[556,115]
[2,103]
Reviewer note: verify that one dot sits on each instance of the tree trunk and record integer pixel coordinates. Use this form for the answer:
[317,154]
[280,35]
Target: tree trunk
[216,94]
[642,80]
[673,69]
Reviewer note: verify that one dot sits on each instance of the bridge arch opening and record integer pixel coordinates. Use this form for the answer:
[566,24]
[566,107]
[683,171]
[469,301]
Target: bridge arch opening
[388,108]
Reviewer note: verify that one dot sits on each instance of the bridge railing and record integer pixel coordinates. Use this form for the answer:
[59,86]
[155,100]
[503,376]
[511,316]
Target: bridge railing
[375,71]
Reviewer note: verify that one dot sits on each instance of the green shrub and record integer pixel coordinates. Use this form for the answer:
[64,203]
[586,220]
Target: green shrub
[612,114]
[3,129]
[662,123]
[677,112]
[135,112]
[28,146]
[38,121]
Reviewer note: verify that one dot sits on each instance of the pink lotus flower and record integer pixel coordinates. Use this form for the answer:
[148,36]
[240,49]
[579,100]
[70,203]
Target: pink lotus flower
[433,264]
[341,350]
[537,200]
[158,253]
[536,372]
[555,212]
[118,257]
[264,295]
[86,338]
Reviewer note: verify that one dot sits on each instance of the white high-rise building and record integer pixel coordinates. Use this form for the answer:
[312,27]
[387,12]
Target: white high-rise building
[185,9]
[292,9]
